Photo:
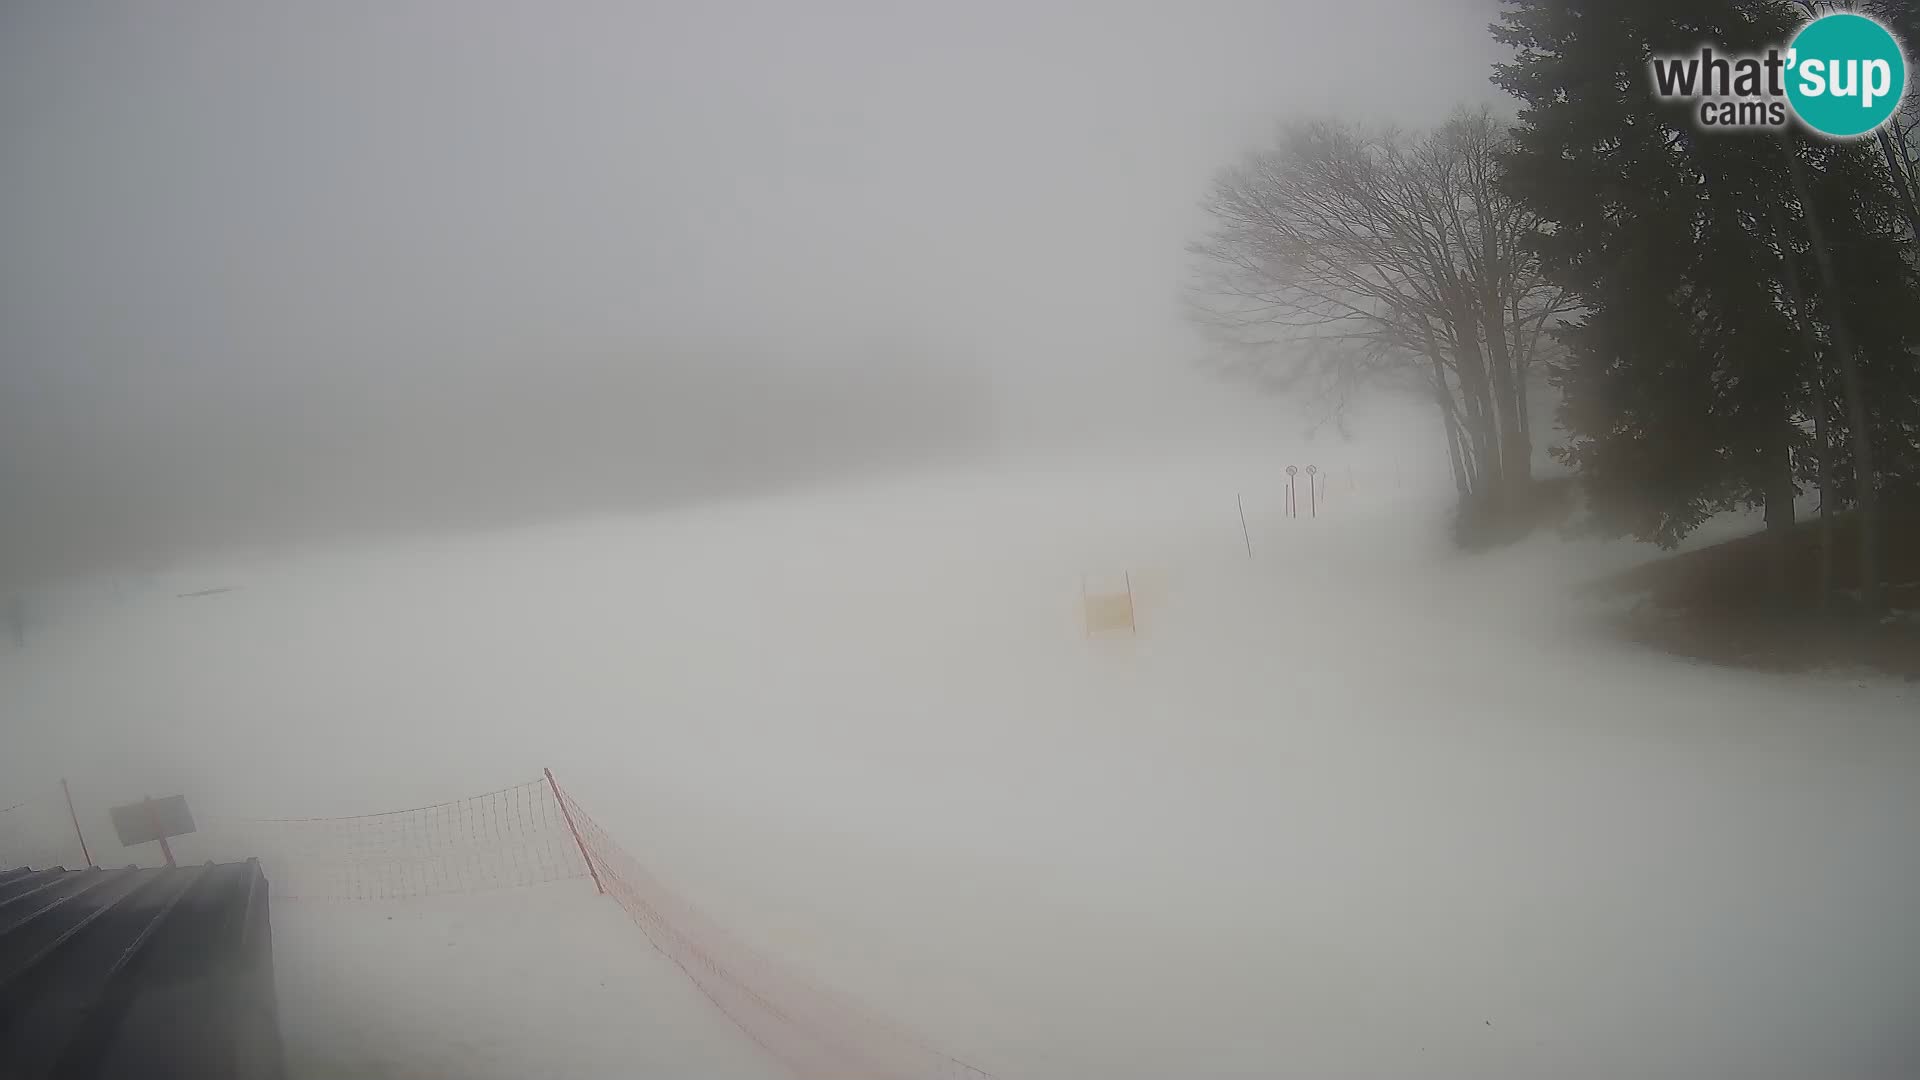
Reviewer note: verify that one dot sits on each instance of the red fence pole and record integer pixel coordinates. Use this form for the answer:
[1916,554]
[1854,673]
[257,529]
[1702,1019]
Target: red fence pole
[581,844]
[68,792]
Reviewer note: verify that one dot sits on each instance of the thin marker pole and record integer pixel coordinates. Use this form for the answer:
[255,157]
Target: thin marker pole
[68,792]
[1244,535]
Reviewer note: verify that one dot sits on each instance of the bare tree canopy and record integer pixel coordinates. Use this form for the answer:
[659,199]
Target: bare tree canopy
[1341,255]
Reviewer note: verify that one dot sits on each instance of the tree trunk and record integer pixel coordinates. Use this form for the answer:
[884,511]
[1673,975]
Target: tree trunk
[1769,393]
[1516,457]
[1850,384]
[1474,387]
[1462,480]
[1824,464]
[1902,182]
[1526,413]
[1777,467]
[1443,397]
[1457,459]
[1816,378]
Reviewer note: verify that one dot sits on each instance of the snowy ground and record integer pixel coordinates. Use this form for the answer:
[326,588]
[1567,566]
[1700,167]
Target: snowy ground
[541,983]
[1354,807]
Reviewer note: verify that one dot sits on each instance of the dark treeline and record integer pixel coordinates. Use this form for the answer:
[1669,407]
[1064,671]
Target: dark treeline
[1730,319]
[685,423]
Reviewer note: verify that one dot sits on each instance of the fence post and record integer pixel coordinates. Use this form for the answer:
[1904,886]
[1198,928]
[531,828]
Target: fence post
[68,792]
[572,828]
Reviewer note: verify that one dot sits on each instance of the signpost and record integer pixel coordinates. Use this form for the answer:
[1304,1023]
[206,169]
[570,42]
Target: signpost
[153,819]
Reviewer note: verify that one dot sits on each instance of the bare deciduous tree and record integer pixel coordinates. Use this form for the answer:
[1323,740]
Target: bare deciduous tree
[1345,256]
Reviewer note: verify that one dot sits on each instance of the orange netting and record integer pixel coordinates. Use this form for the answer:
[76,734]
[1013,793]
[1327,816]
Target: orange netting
[816,1033]
[500,840]
[529,834]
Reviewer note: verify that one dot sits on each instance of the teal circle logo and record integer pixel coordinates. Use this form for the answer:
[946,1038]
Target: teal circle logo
[1846,75]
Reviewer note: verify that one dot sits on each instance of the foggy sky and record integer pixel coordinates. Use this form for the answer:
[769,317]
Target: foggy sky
[276,269]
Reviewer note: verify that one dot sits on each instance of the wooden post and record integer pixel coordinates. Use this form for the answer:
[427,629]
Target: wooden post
[68,792]
[166,849]
[572,828]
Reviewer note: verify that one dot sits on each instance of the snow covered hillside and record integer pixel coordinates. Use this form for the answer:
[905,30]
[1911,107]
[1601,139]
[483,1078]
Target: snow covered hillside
[1353,806]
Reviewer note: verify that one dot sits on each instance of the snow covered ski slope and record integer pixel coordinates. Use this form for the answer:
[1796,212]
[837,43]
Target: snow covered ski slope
[1352,805]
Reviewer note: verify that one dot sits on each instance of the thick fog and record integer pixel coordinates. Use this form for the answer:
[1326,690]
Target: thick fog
[785,421]
[271,272]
